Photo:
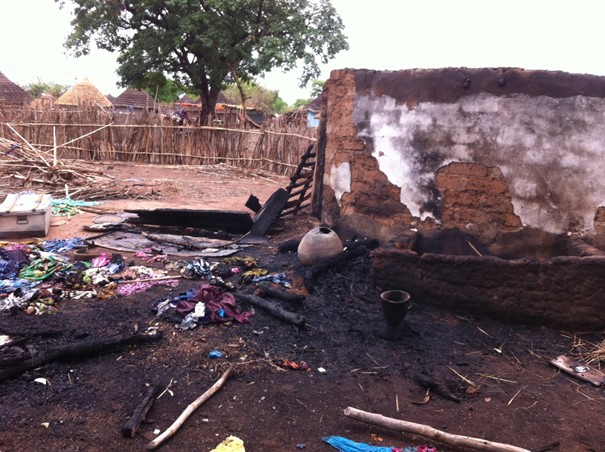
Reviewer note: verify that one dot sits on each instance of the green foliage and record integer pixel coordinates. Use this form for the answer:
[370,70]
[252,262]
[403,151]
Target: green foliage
[37,88]
[280,105]
[159,87]
[317,87]
[300,103]
[206,44]
[257,96]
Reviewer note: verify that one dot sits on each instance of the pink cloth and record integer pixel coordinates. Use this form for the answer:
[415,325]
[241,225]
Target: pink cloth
[215,300]
[127,289]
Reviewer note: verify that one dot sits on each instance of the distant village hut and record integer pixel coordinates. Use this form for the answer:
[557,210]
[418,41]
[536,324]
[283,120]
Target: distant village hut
[134,101]
[11,94]
[44,102]
[84,94]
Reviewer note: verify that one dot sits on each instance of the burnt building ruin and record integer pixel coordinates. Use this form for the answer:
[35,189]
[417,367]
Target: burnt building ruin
[472,166]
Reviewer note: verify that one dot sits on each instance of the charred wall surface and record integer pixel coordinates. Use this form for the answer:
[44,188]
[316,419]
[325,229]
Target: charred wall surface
[466,148]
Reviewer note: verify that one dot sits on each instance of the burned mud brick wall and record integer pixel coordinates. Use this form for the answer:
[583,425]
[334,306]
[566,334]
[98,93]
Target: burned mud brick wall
[563,292]
[461,148]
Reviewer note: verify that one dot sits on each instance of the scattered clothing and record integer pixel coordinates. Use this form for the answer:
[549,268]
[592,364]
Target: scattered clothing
[66,206]
[127,289]
[61,246]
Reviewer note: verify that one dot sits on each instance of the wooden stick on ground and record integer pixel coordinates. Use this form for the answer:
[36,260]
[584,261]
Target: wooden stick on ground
[430,432]
[170,431]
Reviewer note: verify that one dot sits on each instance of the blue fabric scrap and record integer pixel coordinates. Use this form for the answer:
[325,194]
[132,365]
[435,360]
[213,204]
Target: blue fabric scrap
[347,445]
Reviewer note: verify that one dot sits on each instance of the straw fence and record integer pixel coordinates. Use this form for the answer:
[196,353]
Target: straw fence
[94,134]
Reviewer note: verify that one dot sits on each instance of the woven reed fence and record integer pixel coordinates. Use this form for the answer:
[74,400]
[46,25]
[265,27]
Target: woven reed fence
[97,135]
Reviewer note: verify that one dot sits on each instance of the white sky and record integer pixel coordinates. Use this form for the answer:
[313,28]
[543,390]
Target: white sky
[383,34]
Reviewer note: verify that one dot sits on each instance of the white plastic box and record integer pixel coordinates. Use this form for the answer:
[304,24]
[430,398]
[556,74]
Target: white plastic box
[25,215]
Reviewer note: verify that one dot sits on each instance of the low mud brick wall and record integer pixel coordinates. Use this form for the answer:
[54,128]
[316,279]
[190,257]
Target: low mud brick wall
[562,292]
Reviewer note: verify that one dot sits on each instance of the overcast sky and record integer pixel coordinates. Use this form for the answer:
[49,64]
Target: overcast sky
[383,34]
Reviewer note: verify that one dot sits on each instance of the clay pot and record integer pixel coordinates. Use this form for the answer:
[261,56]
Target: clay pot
[319,244]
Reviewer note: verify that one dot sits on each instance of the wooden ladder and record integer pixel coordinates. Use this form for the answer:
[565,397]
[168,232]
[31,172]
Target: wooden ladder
[300,183]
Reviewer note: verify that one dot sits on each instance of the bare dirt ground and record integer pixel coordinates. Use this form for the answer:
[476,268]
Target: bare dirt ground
[506,389]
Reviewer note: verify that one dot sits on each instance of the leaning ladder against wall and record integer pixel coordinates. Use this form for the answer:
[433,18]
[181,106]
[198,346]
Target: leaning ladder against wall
[300,184]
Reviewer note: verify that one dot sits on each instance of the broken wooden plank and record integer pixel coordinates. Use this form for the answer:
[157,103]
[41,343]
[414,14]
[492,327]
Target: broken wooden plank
[232,221]
[269,212]
[578,370]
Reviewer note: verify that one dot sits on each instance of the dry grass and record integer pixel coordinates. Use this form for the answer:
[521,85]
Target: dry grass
[587,352]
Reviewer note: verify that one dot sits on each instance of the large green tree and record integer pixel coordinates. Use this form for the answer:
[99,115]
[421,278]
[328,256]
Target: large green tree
[207,44]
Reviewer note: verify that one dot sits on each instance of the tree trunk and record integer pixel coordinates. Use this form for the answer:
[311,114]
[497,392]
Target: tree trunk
[208,106]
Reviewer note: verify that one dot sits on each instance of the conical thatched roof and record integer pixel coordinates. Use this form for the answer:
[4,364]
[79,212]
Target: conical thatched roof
[11,93]
[133,98]
[84,93]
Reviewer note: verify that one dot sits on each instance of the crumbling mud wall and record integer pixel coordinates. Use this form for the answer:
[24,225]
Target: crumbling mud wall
[461,148]
[479,182]
[562,292]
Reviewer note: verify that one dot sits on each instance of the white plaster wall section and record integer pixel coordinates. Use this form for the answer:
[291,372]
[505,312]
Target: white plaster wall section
[549,150]
[390,130]
[340,180]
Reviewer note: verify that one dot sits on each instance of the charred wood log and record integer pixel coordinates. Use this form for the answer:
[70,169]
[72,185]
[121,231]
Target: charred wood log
[76,352]
[273,309]
[265,290]
[130,428]
[428,383]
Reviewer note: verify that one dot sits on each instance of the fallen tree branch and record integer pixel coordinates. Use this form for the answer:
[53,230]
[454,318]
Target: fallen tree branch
[273,309]
[170,431]
[430,432]
[75,352]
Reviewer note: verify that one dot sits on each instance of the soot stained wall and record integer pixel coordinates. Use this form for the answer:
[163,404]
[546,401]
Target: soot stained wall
[462,148]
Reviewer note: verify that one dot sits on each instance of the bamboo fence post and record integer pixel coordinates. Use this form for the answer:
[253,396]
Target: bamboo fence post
[54,146]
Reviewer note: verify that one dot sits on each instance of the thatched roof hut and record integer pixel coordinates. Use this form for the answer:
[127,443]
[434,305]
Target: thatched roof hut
[83,93]
[12,94]
[133,98]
